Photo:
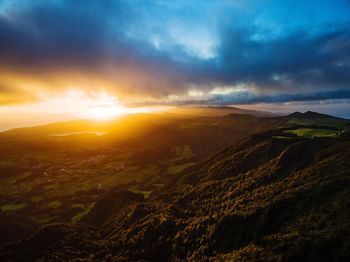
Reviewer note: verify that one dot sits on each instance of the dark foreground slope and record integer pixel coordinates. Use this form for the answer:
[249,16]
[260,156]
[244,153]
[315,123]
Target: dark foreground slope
[272,197]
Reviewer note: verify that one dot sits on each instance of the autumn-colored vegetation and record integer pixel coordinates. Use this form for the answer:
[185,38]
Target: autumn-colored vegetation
[275,195]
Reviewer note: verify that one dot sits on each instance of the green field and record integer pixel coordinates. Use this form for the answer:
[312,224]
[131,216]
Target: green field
[178,168]
[311,133]
[183,152]
[54,204]
[80,215]
[12,207]
[146,194]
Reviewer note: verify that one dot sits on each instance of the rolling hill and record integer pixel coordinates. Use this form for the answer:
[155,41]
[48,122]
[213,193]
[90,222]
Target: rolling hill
[263,199]
[266,189]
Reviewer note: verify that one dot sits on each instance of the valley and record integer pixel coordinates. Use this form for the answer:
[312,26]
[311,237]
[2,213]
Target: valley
[126,184]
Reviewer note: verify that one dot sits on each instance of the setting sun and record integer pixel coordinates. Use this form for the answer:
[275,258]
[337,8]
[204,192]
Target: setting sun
[107,111]
[71,104]
[100,105]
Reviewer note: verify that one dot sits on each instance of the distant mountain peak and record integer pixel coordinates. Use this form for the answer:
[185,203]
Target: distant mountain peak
[295,114]
[310,114]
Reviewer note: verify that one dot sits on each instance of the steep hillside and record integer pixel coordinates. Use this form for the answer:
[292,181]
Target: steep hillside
[56,173]
[314,118]
[272,197]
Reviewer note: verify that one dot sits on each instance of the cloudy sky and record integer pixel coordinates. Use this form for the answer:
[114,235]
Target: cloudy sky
[145,53]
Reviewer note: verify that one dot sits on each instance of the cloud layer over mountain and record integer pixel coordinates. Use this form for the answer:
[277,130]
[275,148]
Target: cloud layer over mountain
[176,52]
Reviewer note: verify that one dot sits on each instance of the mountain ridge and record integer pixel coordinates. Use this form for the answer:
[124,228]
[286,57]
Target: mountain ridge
[312,114]
[227,210]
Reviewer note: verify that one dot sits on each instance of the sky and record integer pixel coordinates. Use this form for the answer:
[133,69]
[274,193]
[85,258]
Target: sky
[62,59]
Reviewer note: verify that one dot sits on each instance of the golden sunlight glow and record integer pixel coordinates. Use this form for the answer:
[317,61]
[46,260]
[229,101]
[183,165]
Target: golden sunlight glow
[106,111]
[72,104]
[99,106]
[80,104]
[103,107]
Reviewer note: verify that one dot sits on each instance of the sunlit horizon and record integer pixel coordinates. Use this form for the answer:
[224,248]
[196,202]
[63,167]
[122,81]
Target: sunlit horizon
[71,105]
[101,106]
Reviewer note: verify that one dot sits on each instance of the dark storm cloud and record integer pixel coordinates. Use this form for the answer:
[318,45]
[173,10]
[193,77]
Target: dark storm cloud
[296,60]
[248,98]
[86,36]
[296,64]
[58,33]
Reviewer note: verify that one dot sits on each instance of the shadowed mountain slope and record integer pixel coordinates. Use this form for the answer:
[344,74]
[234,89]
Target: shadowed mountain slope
[310,118]
[264,199]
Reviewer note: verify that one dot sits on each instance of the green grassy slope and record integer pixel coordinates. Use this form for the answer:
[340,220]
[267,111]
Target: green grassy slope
[277,195]
[51,179]
[263,199]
